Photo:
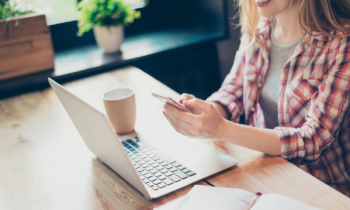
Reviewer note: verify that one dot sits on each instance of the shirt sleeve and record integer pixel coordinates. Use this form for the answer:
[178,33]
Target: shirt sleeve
[305,144]
[231,91]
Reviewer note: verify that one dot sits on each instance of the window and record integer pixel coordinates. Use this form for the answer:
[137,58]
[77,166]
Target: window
[58,11]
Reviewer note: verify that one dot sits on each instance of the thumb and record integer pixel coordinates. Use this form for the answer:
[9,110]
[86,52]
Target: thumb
[197,104]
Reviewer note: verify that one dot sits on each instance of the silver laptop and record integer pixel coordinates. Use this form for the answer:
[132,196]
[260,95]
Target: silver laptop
[147,167]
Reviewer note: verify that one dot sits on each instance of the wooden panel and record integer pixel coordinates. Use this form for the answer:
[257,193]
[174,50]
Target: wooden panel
[29,25]
[44,163]
[27,49]
[25,46]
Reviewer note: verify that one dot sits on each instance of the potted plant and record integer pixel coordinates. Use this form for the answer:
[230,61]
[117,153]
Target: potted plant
[25,41]
[107,18]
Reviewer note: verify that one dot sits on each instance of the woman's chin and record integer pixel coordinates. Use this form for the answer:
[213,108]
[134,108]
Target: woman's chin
[265,14]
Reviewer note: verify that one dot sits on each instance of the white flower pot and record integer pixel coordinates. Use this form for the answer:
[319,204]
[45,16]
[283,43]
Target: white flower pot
[109,39]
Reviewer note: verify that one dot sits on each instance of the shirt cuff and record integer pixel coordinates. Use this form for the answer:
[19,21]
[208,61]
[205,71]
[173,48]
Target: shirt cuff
[227,101]
[292,144]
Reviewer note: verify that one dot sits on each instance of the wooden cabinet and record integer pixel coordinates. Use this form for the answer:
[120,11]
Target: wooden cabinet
[27,48]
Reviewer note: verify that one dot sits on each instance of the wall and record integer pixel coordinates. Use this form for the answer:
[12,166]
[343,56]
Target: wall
[227,48]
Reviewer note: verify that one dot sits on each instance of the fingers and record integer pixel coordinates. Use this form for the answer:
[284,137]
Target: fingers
[184,116]
[176,126]
[185,97]
[197,104]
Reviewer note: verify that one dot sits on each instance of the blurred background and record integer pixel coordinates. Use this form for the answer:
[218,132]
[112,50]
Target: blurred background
[187,45]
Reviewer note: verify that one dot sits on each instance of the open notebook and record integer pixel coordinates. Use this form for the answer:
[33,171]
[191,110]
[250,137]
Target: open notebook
[205,198]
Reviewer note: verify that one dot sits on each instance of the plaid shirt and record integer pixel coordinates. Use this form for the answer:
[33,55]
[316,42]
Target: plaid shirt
[313,106]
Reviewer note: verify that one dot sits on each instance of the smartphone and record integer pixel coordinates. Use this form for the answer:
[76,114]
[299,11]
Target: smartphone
[171,101]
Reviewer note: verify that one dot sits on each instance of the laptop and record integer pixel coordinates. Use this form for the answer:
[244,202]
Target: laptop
[154,170]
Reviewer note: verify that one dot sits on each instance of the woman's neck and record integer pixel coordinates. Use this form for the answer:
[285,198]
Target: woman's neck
[286,29]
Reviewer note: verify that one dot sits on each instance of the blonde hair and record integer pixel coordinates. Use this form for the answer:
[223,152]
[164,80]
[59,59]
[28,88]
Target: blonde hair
[319,15]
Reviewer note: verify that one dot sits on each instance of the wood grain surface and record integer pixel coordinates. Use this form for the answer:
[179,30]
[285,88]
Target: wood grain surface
[44,163]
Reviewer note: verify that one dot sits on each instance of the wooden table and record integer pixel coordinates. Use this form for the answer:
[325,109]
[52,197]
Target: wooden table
[44,163]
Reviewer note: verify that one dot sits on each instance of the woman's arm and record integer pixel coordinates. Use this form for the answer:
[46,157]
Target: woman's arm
[208,123]
[263,140]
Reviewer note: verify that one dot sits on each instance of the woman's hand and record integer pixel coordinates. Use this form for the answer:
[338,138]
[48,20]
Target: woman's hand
[206,122]
[186,97]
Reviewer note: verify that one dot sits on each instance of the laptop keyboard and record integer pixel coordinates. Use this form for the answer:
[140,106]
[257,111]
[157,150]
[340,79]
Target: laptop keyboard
[155,169]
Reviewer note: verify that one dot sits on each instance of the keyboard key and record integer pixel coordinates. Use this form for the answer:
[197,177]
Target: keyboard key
[150,184]
[159,167]
[142,149]
[145,165]
[131,142]
[181,167]
[161,185]
[180,174]
[155,187]
[149,168]
[163,170]
[142,144]
[157,181]
[147,159]
[164,163]
[140,162]
[174,178]
[139,169]
[169,167]
[155,158]
[148,152]
[155,164]
[152,178]
[168,173]
[172,169]
[145,181]
[142,156]
[161,177]
[159,160]
[157,174]
[144,172]
[132,157]
[164,156]
[152,155]
[176,164]
[136,139]
[142,177]
[191,173]
[153,171]
[151,162]
[138,153]
[148,175]
[167,181]
[186,170]
[137,159]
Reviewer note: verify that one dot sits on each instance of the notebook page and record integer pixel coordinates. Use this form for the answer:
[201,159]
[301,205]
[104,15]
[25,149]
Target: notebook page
[209,198]
[278,202]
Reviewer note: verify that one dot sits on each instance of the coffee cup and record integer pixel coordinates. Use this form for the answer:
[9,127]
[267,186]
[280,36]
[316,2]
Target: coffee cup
[121,109]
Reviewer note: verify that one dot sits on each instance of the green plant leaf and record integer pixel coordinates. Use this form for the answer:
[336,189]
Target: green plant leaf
[104,13]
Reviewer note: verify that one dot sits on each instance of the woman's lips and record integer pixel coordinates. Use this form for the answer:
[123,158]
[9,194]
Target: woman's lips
[262,3]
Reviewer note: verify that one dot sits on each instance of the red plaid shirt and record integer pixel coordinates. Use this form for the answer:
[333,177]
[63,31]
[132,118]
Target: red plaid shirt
[313,107]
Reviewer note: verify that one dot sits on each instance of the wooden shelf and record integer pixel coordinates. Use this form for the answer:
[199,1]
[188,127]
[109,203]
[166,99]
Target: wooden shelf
[88,60]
